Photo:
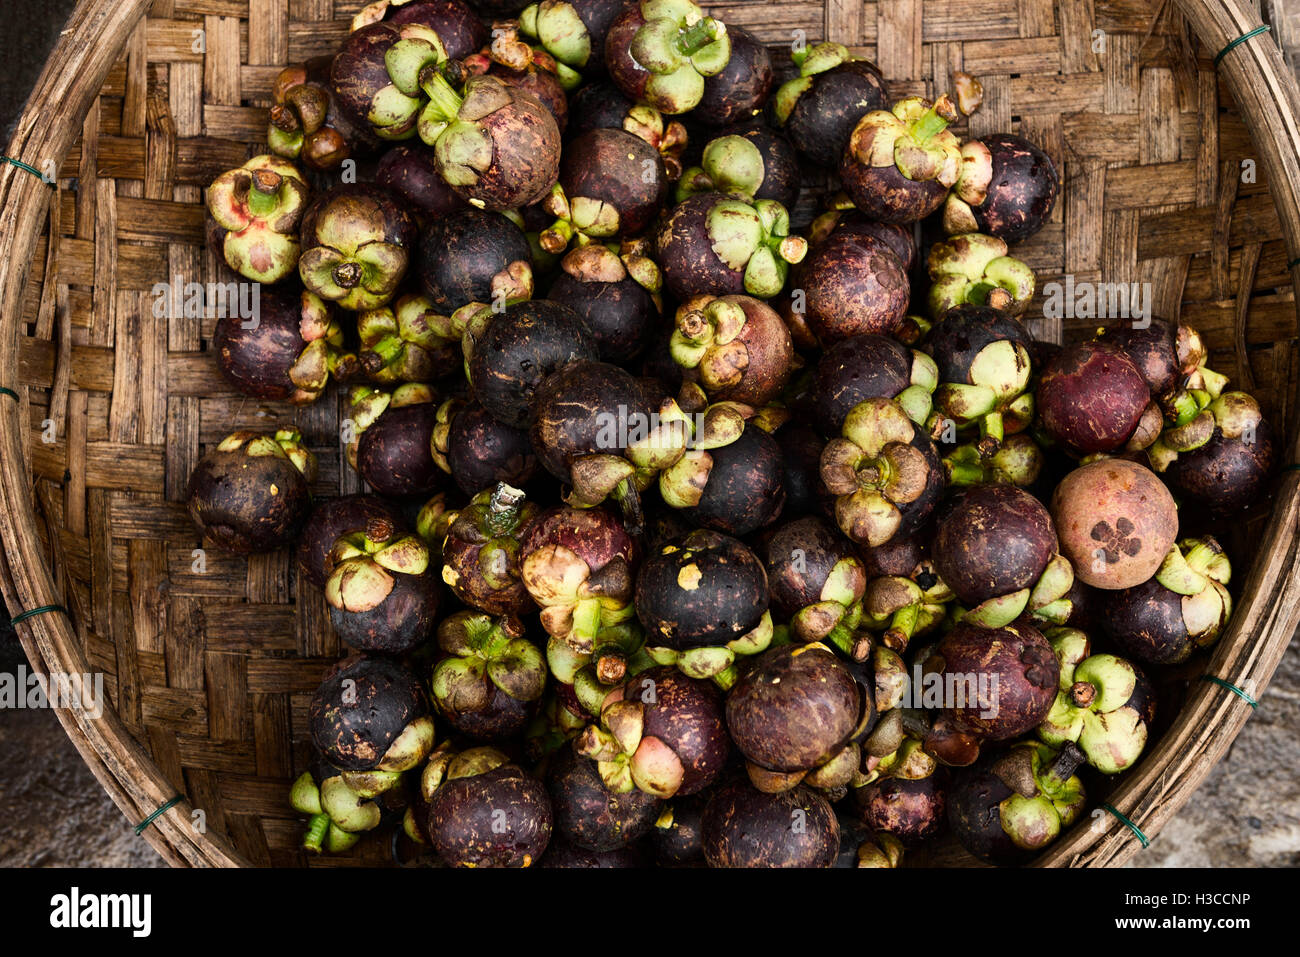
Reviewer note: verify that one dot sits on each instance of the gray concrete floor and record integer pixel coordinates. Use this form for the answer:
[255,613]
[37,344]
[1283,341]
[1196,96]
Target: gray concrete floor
[55,814]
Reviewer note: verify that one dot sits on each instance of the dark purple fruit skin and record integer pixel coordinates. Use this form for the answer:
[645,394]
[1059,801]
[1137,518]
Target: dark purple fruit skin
[965,331]
[257,361]
[793,708]
[590,816]
[593,534]
[501,818]
[884,193]
[741,89]
[330,519]
[611,165]
[1090,397]
[682,842]
[460,31]
[1027,670]
[458,255]
[539,84]
[687,715]
[897,238]
[597,106]
[852,285]
[1146,623]
[1225,474]
[573,410]
[855,369]
[1021,193]
[409,169]
[974,817]
[801,454]
[898,556]
[498,9]
[622,316]
[996,540]
[231,503]
[460,552]
[744,490]
[685,253]
[781,177]
[561,854]
[393,453]
[743,827]
[626,73]
[912,810]
[729,600]
[354,723]
[823,118]
[397,624]
[799,557]
[1152,350]
[519,347]
[481,452]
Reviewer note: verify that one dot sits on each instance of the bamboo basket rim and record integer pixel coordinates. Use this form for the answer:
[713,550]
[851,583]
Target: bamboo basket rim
[91,42]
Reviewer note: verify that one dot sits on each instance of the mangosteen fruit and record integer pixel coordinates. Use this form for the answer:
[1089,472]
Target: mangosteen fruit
[381,76]
[509,353]
[871,366]
[381,594]
[703,600]
[589,814]
[660,732]
[884,473]
[741,89]
[1014,804]
[254,213]
[736,347]
[1183,607]
[900,163]
[481,554]
[404,341]
[712,244]
[1006,187]
[616,296]
[997,550]
[733,487]
[1117,522]
[910,802]
[393,452]
[571,31]
[484,811]
[478,451]
[252,492]
[472,255]
[1223,458]
[745,827]
[819,108]
[306,123]
[852,285]
[457,26]
[974,269]
[491,677]
[601,105]
[659,52]
[370,715]
[288,350]
[409,169]
[1091,398]
[357,242]
[331,519]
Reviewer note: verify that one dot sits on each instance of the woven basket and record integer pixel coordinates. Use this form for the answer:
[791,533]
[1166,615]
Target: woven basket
[209,674]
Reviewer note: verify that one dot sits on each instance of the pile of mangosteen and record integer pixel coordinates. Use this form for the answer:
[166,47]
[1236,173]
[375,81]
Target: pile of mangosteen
[693,532]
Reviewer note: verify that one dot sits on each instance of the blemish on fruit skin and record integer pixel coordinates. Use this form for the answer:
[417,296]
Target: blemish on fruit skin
[689,577]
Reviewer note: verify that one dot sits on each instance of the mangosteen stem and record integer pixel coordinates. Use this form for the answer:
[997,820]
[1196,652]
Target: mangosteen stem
[725,678]
[504,507]
[697,37]
[382,354]
[901,627]
[1083,693]
[347,274]
[991,428]
[264,192]
[318,825]
[285,119]
[1069,760]
[963,473]
[556,238]
[629,501]
[934,120]
[443,99]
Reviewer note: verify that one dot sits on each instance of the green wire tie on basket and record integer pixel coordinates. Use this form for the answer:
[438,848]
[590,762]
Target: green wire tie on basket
[28,167]
[1254,704]
[33,612]
[9,392]
[1137,831]
[1262,28]
[140,828]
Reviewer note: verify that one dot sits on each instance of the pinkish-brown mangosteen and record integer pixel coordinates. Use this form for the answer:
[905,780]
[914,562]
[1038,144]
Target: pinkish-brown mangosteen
[1091,398]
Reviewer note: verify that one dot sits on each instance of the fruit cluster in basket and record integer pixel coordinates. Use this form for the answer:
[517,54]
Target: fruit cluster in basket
[690,538]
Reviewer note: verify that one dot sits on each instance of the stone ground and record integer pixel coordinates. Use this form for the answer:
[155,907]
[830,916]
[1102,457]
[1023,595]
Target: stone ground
[55,814]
